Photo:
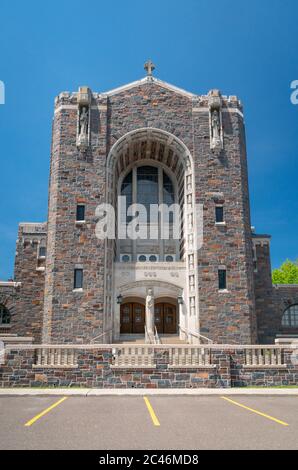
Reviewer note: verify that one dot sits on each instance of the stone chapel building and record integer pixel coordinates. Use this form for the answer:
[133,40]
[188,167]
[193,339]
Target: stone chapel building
[153,143]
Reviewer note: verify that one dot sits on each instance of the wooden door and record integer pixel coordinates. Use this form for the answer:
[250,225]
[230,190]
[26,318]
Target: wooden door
[126,318]
[169,319]
[138,318]
[165,318]
[158,317]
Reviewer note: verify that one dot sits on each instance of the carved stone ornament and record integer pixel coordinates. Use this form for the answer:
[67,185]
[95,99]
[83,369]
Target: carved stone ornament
[215,118]
[84,101]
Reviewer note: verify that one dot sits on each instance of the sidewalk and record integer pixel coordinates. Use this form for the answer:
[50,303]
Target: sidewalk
[143,391]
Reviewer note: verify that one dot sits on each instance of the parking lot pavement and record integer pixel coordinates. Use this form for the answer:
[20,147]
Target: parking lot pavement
[160,422]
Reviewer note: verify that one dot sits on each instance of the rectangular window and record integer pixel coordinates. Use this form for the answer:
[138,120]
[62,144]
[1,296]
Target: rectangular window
[42,251]
[78,279]
[219,214]
[80,212]
[222,279]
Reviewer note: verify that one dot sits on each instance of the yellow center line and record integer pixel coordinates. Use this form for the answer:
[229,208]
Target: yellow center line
[151,412]
[256,411]
[44,412]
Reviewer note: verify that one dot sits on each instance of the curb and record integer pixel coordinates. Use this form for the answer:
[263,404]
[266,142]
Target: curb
[143,391]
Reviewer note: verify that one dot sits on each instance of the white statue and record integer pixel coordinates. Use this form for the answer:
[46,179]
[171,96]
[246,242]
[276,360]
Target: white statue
[84,121]
[150,311]
[215,125]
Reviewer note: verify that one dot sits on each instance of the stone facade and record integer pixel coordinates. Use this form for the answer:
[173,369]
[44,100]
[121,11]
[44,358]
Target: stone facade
[94,367]
[155,122]
[271,300]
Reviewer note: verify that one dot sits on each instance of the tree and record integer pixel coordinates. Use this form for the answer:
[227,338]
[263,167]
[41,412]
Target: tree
[286,274]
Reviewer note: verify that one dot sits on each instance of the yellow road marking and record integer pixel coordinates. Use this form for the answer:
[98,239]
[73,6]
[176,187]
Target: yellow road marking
[256,411]
[44,412]
[151,412]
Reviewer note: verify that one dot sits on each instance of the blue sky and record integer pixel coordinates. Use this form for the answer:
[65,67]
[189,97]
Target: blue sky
[246,48]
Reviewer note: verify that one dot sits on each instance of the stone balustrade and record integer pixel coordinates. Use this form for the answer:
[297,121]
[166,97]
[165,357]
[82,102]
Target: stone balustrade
[189,356]
[259,356]
[134,356]
[56,358]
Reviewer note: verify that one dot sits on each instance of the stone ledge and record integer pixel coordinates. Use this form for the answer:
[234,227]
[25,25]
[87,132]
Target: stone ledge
[269,366]
[35,366]
[197,367]
[127,366]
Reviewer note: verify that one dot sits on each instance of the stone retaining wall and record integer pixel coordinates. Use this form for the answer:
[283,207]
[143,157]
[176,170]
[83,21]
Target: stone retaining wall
[93,366]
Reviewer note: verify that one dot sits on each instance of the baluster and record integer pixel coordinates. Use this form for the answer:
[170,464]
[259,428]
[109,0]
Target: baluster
[197,354]
[39,357]
[47,357]
[59,356]
[267,357]
[279,356]
[72,357]
[170,356]
[254,357]
[248,354]
[273,357]
[177,357]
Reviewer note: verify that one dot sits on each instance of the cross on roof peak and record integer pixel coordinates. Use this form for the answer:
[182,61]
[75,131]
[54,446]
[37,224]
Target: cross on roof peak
[149,67]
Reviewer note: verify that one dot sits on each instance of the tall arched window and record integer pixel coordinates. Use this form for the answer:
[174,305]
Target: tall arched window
[290,317]
[4,315]
[148,185]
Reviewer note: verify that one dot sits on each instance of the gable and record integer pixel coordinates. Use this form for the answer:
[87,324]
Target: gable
[146,81]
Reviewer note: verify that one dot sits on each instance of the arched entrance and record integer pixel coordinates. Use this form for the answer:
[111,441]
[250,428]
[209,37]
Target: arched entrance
[137,160]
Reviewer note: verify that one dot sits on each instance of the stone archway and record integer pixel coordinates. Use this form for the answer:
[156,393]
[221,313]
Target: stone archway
[159,146]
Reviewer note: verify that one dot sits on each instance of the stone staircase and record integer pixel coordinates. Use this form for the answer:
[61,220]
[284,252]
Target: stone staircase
[140,339]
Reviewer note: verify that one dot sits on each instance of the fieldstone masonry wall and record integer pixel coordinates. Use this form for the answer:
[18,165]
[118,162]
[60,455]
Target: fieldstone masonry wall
[29,272]
[94,368]
[271,300]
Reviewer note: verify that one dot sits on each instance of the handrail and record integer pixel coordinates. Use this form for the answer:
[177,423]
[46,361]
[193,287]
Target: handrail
[195,334]
[156,336]
[102,334]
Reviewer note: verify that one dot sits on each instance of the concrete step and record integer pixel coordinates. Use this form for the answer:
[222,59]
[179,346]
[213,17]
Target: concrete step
[171,339]
[140,339]
[132,339]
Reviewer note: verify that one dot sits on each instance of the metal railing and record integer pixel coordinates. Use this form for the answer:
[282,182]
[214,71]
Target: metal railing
[101,335]
[195,334]
[157,339]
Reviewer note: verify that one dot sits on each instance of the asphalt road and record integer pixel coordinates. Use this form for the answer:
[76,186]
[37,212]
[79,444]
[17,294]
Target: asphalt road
[160,422]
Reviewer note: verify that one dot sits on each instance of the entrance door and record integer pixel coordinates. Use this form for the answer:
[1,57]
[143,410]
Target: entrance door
[138,318]
[132,318]
[165,318]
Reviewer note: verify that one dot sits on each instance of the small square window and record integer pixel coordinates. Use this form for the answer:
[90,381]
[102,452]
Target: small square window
[219,214]
[222,279]
[78,279]
[80,212]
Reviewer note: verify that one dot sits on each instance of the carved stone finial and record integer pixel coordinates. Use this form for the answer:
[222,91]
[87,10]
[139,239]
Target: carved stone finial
[149,67]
